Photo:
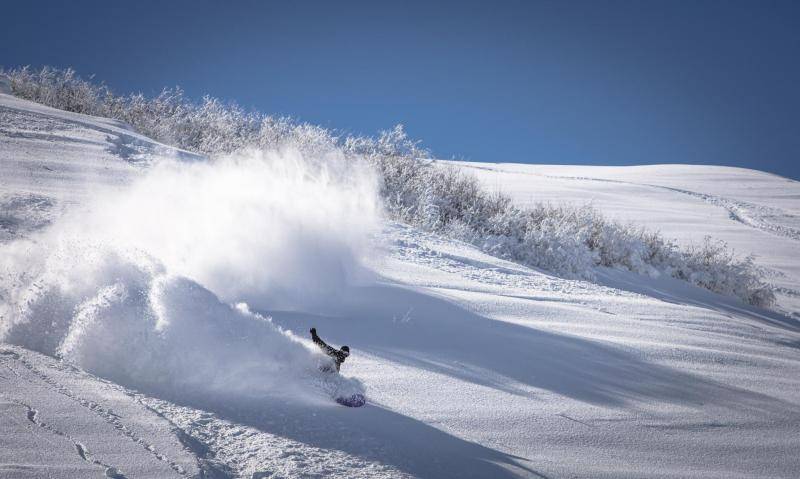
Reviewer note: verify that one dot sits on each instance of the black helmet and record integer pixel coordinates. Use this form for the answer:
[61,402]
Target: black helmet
[346,349]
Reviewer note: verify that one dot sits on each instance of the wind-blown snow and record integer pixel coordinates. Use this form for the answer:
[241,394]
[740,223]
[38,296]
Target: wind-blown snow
[270,229]
[122,257]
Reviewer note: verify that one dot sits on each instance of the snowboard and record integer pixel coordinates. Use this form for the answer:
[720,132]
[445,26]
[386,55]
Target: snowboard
[344,390]
[355,400]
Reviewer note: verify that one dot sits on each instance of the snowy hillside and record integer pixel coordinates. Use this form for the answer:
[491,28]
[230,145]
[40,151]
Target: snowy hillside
[156,307]
[754,212]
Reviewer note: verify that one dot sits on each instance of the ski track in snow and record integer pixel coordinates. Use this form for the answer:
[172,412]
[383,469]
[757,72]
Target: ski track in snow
[95,408]
[83,452]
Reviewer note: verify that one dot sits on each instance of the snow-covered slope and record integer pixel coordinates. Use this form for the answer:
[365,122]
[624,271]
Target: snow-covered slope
[473,366]
[754,212]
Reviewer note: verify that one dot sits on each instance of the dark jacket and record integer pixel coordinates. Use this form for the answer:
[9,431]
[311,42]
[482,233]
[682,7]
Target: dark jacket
[338,355]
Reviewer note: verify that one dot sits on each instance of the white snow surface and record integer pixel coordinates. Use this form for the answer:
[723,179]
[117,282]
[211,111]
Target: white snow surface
[126,349]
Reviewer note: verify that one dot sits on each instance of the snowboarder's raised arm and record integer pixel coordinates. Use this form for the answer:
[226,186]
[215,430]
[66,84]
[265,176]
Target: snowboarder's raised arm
[322,344]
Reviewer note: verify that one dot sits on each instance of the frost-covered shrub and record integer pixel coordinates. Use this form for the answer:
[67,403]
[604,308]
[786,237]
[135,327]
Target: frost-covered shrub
[209,126]
[566,240]
[61,89]
[713,266]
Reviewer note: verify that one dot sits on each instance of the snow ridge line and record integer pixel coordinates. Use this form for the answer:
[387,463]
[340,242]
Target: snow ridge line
[33,417]
[104,414]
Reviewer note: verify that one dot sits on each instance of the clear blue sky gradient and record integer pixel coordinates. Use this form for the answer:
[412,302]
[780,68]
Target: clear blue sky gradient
[597,82]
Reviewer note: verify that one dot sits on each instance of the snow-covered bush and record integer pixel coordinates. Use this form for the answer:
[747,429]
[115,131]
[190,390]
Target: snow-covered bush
[713,266]
[210,126]
[566,240]
[61,89]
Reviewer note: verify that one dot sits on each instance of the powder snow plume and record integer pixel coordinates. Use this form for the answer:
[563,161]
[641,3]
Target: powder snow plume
[151,284]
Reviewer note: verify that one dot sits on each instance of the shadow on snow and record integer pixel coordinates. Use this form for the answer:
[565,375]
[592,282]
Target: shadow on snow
[445,338]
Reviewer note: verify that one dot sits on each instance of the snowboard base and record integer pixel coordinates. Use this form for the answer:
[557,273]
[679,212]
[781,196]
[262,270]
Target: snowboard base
[356,400]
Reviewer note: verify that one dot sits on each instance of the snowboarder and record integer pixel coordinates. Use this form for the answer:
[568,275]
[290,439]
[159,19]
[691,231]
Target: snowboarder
[338,355]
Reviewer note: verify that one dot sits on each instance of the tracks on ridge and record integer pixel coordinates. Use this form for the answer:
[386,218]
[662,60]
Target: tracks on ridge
[748,214]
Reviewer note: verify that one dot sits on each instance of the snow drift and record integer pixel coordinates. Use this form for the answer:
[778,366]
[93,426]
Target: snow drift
[149,285]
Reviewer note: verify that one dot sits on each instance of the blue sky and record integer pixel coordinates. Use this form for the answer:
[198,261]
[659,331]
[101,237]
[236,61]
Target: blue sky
[599,82]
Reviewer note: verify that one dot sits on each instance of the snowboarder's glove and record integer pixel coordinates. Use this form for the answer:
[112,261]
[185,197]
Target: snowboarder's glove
[313,332]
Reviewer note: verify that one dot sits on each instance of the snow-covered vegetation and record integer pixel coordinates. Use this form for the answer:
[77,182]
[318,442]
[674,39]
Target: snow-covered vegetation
[570,241]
